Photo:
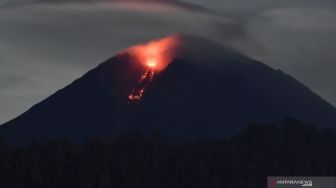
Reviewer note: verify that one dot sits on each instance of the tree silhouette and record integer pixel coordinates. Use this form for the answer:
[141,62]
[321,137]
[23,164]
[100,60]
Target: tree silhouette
[134,160]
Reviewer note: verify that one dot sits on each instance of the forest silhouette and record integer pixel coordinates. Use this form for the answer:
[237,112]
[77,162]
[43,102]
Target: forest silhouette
[133,160]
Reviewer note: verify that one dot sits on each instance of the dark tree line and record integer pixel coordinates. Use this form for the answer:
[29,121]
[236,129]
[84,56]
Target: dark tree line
[135,161]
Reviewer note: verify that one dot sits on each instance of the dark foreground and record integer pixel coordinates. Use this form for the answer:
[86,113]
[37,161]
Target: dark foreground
[134,161]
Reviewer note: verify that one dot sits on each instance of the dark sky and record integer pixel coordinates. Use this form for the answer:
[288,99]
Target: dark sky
[45,45]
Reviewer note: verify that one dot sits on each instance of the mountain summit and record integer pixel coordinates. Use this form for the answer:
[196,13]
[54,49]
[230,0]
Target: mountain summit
[181,86]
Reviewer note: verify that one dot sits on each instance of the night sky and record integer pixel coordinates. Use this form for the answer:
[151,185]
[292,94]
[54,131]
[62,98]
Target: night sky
[45,45]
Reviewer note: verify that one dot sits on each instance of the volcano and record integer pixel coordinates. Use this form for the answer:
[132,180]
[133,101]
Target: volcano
[186,88]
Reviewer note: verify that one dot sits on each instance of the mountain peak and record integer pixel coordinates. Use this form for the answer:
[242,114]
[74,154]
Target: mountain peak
[182,86]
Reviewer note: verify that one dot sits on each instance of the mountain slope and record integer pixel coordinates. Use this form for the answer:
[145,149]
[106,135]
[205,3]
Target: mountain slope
[206,91]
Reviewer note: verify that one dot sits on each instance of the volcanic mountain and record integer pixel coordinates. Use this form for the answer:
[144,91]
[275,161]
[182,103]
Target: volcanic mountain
[183,87]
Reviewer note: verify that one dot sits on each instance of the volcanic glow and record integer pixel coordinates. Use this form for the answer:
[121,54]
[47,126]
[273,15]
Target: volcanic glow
[151,63]
[157,54]
[155,57]
[138,92]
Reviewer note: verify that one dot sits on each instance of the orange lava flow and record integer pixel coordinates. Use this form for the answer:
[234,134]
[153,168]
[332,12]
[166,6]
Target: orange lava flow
[139,91]
[155,57]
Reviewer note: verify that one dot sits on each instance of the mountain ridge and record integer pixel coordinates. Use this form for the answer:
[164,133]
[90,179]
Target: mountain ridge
[188,99]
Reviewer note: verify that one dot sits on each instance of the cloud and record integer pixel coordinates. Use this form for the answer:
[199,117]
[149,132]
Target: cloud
[303,19]
[174,3]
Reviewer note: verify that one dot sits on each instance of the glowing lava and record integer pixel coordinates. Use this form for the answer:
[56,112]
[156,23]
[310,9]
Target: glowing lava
[154,56]
[151,63]
[138,92]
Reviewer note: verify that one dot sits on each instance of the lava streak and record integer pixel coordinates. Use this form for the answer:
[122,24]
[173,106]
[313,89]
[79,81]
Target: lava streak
[138,92]
[155,57]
